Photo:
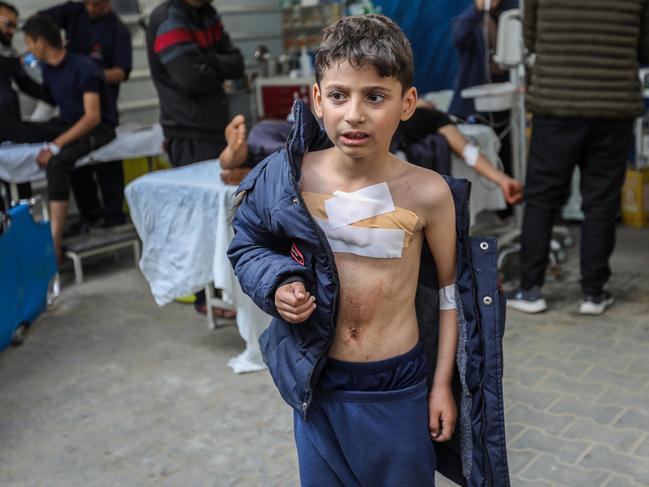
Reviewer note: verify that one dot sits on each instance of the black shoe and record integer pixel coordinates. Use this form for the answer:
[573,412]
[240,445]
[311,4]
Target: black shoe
[596,304]
[527,301]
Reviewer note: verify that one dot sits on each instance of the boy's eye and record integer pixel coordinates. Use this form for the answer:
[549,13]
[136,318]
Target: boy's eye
[375,97]
[336,96]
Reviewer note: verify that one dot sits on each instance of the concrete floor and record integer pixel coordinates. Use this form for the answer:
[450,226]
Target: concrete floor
[110,390]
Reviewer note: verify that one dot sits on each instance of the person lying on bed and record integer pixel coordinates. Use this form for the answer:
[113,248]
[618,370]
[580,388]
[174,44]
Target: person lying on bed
[268,136]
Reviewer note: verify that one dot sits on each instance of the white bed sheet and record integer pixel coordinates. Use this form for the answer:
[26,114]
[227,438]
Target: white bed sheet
[182,217]
[18,161]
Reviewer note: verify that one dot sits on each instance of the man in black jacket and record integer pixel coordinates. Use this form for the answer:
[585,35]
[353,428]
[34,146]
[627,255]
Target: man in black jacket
[190,55]
[11,71]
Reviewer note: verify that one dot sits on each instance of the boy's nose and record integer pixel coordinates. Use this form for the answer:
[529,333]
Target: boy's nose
[355,113]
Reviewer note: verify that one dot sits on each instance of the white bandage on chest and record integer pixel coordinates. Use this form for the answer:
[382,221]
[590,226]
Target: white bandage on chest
[470,153]
[345,209]
[447,298]
[379,243]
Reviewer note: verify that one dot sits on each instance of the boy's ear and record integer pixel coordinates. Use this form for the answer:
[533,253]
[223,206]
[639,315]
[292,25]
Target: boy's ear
[317,100]
[409,103]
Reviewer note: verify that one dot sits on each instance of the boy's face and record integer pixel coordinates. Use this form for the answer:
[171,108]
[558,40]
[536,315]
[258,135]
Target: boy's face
[36,47]
[361,110]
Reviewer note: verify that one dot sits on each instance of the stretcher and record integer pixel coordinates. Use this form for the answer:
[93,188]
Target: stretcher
[28,274]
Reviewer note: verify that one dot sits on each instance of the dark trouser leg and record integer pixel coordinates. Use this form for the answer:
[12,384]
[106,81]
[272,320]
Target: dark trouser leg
[555,149]
[58,176]
[30,132]
[603,166]
[111,182]
[59,168]
[24,192]
[84,188]
[184,151]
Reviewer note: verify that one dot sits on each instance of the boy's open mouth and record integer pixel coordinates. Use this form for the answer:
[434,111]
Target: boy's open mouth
[354,137]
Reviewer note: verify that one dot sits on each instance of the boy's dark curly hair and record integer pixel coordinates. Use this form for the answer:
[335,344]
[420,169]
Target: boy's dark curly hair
[367,40]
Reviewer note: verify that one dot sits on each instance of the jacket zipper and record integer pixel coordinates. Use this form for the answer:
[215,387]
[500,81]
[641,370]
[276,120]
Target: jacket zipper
[476,311]
[315,371]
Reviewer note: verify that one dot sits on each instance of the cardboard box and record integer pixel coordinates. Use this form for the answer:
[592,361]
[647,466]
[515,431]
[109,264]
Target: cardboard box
[635,198]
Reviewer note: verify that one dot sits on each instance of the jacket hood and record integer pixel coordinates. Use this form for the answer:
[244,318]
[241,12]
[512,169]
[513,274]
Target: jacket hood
[307,135]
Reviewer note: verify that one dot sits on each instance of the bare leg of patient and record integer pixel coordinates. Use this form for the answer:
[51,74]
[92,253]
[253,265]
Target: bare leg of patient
[58,212]
[236,151]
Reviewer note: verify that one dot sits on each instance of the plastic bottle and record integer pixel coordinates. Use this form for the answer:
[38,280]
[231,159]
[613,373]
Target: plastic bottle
[305,63]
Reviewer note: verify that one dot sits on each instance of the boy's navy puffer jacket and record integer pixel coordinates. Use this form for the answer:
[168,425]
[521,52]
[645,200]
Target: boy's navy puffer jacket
[276,238]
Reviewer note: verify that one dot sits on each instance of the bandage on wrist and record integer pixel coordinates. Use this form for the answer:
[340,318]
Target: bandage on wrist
[470,153]
[447,298]
[53,148]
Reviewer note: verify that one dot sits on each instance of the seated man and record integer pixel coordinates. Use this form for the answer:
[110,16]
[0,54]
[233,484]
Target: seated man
[270,135]
[93,29]
[87,118]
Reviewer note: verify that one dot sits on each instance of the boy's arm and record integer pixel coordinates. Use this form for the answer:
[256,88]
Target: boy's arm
[441,238]
[259,252]
[90,119]
[511,188]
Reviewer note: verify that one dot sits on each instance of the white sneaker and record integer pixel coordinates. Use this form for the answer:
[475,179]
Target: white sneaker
[526,301]
[596,305]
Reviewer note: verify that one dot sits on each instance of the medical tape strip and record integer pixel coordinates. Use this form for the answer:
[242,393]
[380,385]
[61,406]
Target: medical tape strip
[447,298]
[470,153]
[379,243]
[346,208]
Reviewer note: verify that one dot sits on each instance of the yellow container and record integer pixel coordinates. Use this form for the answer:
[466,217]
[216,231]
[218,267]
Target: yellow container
[635,198]
[134,168]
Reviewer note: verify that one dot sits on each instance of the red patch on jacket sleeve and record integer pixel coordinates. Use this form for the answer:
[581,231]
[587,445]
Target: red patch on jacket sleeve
[297,255]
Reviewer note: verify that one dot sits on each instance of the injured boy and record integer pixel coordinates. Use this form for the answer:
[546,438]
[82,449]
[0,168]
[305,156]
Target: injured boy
[328,240]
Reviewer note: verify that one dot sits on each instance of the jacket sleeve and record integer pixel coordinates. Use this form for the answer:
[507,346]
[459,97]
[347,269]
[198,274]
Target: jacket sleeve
[32,88]
[193,69]
[464,27]
[227,59]
[643,51]
[529,24]
[259,251]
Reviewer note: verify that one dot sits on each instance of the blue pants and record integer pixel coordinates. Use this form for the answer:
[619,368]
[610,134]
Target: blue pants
[368,425]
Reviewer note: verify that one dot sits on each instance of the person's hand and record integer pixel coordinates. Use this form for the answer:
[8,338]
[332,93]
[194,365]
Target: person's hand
[512,190]
[480,4]
[43,157]
[294,303]
[442,413]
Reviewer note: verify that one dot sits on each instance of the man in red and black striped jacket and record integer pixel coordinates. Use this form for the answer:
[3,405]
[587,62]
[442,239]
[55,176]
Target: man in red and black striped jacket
[190,55]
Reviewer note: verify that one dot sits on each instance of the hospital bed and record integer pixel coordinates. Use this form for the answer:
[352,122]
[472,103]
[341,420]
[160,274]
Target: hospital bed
[182,216]
[18,165]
